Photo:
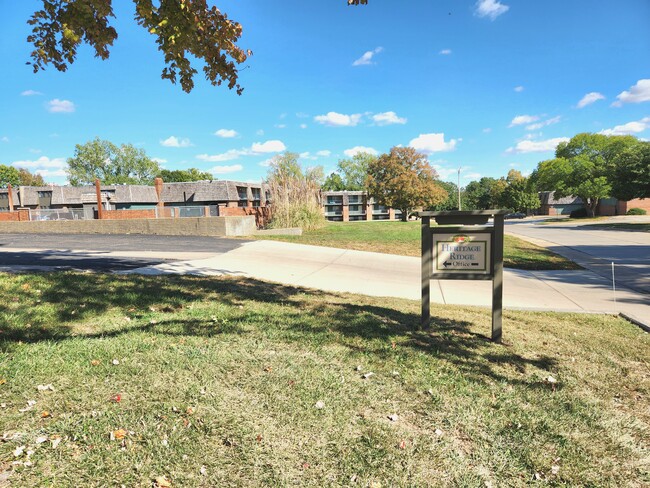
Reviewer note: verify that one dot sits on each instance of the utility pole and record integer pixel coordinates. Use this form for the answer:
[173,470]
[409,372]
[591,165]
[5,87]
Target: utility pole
[459,189]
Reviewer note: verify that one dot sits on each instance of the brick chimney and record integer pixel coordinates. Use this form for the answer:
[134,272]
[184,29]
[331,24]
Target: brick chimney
[99,199]
[11,198]
[158,184]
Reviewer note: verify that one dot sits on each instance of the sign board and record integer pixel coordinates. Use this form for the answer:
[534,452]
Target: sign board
[461,253]
[462,246]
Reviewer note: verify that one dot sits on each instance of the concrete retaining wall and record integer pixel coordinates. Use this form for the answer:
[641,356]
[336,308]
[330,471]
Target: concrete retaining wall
[193,226]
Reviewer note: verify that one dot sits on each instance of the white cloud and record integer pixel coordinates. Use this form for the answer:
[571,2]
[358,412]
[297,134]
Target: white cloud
[260,132]
[366,58]
[173,141]
[445,173]
[335,119]
[159,160]
[41,163]
[227,156]
[324,153]
[48,173]
[590,98]
[387,118]
[226,133]
[445,52]
[629,128]
[490,8]
[268,146]
[303,126]
[60,106]
[544,123]
[255,150]
[529,146]
[222,170]
[434,142]
[360,149]
[266,163]
[523,119]
[637,94]
[307,155]
[280,126]
[4,139]
[519,89]
[487,130]
[30,93]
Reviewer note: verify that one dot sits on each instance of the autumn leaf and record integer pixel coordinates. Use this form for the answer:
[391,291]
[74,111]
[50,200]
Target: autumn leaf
[402,445]
[162,482]
[117,398]
[259,438]
[45,414]
[118,434]
[95,362]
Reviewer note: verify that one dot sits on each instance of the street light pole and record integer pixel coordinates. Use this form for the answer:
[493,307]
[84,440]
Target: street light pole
[459,189]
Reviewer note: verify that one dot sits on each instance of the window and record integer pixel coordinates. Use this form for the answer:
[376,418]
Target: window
[256,197]
[242,192]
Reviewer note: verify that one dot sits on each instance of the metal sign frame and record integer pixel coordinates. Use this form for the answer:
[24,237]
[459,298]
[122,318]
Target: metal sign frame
[471,223]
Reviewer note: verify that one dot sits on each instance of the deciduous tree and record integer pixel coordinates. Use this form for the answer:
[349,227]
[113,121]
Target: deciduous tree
[30,179]
[586,167]
[632,172]
[9,176]
[404,179]
[180,175]
[112,164]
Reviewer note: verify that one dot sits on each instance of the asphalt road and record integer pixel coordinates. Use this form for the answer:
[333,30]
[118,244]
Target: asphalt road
[595,248]
[105,252]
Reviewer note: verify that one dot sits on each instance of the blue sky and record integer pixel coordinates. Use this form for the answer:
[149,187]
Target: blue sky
[486,86]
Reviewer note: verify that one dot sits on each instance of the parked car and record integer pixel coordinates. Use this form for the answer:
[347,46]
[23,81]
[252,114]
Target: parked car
[515,215]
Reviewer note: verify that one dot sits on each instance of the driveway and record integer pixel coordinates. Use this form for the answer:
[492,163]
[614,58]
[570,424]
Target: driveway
[595,247]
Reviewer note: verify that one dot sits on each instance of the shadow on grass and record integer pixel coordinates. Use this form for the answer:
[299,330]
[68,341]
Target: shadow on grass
[307,316]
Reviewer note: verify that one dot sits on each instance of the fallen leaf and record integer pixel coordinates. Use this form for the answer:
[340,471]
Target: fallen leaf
[319,405]
[358,368]
[2,381]
[306,465]
[203,470]
[189,411]
[45,414]
[259,438]
[268,369]
[163,482]
[393,417]
[19,451]
[40,440]
[95,362]
[117,398]
[550,379]
[118,434]
[555,469]
[402,445]
[395,373]
[438,432]
[164,442]
[393,345]
[368,375]
[115,362]
[26,286]
[45,388]
[55,440]
[202,392]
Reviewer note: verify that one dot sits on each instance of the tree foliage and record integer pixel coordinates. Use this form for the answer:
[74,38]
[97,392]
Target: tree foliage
[351,174]
[451,203]
[184,30]
[9,176]
[334,182]
[18,177]
[404,179]
[588,166]
[632,172]
[484,194]
[295,193]
[181,175]
[111,164]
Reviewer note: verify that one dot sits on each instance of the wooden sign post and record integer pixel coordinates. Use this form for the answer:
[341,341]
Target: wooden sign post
[463,247]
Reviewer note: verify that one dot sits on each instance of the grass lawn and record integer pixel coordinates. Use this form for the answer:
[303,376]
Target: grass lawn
[230,382]
[403,238]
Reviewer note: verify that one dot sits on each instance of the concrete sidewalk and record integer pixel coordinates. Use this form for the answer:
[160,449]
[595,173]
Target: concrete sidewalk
[376,274]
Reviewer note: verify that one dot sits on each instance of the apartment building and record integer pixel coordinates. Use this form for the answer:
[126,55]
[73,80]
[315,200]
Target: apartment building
[350,206]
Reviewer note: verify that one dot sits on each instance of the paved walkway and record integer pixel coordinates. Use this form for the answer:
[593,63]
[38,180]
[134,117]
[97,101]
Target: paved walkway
[378,274]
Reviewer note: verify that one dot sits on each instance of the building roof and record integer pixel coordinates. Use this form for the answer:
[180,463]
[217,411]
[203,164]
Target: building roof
[548,198]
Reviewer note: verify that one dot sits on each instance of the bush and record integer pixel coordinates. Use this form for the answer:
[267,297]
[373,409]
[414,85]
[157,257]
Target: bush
[636,211]
[579,213]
